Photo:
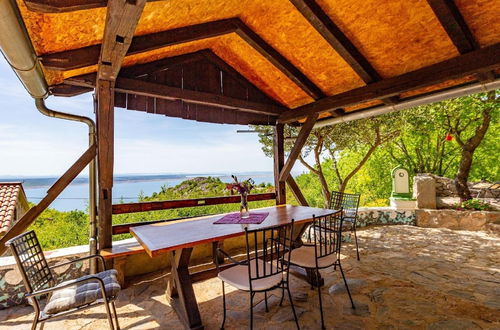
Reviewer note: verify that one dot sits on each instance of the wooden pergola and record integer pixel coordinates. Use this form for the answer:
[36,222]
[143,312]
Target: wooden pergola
[254,62]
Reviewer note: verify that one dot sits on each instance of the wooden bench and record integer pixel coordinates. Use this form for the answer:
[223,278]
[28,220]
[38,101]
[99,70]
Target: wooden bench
[122,249]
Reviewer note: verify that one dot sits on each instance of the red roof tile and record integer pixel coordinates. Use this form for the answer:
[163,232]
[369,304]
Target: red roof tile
[9,193]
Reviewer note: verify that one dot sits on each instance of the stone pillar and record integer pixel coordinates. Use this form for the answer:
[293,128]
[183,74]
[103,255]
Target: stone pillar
[424,191]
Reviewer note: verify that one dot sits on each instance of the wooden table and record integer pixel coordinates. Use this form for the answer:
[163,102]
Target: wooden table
[178,239]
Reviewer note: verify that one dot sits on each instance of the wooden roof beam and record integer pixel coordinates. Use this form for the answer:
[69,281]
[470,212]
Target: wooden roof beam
[339,42]
[482,60]
[454,24]
[145,88]
[63,6]
[88,56]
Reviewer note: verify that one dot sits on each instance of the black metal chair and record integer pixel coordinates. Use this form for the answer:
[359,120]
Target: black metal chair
[265,267]
[322,250]
[65,297]
[349,203]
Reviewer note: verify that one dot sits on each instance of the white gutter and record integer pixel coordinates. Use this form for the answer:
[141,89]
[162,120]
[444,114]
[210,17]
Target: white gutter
[440,96]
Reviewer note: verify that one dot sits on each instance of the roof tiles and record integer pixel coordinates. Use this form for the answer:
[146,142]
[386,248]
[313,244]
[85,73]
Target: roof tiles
[9,193]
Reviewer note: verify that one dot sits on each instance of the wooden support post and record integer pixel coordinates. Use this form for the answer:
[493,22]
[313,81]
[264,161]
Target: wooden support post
[297,147]
[279,161]
[105,139]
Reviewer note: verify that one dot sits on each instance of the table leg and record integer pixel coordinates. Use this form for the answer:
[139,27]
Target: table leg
[180,286]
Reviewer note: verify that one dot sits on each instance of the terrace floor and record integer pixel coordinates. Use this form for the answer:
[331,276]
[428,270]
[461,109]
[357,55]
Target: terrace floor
[408,278]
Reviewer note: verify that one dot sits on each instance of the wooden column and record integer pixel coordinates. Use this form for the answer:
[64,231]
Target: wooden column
[279,162]
[105,142]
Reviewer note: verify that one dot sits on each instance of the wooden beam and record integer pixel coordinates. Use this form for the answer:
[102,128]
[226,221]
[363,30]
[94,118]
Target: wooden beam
[297,193]
[122,18]
[61,6]
[87,56]
[145,88]
[339,41]
[279,162]
[297,147]
[278,60]
[482,60]
[55,190]
[68,90]
[194,202]
[105,159]
[454,24]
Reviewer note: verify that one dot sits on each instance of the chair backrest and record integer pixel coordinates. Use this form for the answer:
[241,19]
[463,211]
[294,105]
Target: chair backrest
[271,246]
[326,234]
[349,203]
[31,262]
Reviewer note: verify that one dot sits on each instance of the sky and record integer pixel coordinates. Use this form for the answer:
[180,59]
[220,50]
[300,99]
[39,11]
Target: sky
[32,144]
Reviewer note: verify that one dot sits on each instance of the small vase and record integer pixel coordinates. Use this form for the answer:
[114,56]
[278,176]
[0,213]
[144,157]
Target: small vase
[244,214]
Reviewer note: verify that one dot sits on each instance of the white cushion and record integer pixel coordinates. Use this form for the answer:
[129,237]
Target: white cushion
[304,256]
[237,276]
[82,294]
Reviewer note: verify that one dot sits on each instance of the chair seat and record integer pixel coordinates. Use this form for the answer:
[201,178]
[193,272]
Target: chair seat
[304,256]
[237,276]
[82,294]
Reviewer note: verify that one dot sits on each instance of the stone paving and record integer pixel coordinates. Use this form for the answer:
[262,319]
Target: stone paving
[408,278]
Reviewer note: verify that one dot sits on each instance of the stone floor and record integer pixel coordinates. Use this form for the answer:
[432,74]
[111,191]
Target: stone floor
[408,278]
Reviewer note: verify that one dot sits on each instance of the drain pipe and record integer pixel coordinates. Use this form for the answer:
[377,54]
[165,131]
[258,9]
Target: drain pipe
[17,49]
[440,96]
[40,104]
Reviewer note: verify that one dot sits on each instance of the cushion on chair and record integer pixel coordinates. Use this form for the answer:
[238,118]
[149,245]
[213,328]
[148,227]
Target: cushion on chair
[82,294]
[304,257]
[237,276]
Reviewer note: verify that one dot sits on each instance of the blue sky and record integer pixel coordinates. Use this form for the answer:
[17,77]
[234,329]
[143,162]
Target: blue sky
[32,144]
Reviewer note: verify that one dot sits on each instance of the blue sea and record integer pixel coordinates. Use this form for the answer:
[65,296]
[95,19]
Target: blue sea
[126,187]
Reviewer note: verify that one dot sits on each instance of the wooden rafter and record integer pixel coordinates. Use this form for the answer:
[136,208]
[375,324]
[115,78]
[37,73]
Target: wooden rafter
[145,88]
[482,60]
[88,56]
[454,24]
[339,41]
[61,6]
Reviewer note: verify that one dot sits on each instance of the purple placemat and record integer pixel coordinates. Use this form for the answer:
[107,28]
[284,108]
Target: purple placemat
[254,218]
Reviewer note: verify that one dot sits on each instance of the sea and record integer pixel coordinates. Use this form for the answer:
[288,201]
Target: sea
[126,188]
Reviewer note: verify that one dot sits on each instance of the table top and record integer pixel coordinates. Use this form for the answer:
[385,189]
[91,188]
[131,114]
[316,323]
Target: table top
[159,238]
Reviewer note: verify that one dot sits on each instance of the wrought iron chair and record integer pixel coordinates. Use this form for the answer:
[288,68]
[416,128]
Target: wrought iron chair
[322,250]
[65,297]
[349,203]
[265,267]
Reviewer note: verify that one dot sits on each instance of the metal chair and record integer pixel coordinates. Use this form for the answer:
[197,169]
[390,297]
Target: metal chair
[322,250]
[65,297]
[265,268]
[349,203]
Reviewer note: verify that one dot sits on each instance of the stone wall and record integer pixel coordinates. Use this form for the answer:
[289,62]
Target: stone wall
[457,220]
[445,187]
[11,284]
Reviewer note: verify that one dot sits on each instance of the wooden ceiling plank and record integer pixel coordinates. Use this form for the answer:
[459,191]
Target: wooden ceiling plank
[68,90]
[454,24]
[482,60]
[122,18]
[144,88]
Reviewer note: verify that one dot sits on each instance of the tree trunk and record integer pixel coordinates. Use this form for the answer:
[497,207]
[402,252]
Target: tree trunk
[463,175]
[468,149]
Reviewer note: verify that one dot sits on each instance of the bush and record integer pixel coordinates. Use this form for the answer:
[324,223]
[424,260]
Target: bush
[472,204]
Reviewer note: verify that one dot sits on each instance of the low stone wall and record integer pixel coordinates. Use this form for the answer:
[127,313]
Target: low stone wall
[11,284]
[458,220]
[445,187]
